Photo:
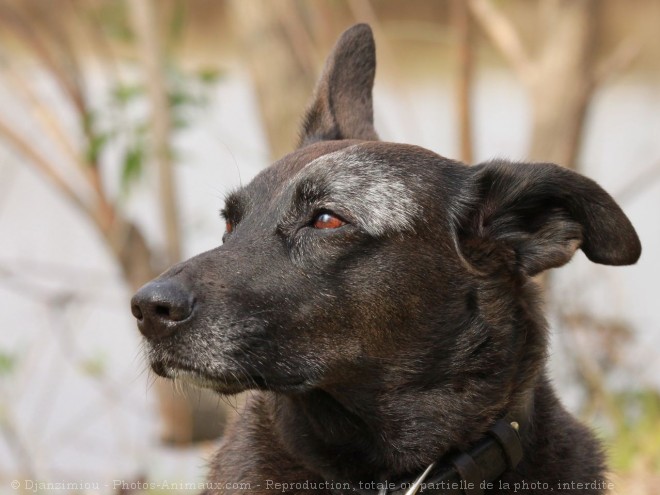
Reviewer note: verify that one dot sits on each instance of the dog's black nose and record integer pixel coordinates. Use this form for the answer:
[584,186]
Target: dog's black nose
[160,306]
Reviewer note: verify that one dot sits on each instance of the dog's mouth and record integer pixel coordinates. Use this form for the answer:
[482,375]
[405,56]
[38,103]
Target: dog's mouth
[228,383]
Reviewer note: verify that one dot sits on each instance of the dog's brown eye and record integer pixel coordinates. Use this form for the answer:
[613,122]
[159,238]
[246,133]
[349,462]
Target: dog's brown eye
[328,221]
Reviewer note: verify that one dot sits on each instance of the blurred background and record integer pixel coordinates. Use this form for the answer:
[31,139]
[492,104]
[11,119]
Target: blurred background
[123,124]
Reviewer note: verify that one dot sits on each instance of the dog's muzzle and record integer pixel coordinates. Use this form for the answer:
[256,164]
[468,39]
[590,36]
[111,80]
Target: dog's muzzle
[161,306]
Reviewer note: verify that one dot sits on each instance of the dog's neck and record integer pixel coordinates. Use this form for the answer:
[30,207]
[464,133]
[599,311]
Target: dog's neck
[393,422]
[364,443]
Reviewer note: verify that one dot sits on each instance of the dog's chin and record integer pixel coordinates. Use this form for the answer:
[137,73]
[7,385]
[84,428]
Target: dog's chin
[229,383]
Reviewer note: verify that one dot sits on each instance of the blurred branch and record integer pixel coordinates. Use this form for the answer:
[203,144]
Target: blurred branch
[67,78]
[302,44]
[417,30]
[14,23]
[560,77]
[363,11]
[589,372]
[56,302]
[267,37]
[18,280]
[623,56]
[102,215]
[44,166]
[462,28]
[50,122]
[17,445]
[111,391]
[7,181]
[90,27]
[56,57]
[62,43]
[185,421]
[547,12]
[146,27]
[58,40]
[503,35]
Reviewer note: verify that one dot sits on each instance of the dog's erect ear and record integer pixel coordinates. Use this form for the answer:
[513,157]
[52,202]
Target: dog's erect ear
[342,104]
[535,216]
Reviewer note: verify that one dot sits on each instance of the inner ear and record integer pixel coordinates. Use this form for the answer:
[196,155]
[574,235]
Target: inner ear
[342,105]
[532,217]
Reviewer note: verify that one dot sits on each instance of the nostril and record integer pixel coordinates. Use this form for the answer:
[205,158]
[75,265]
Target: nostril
[173,311]
[137,312]
[162,310]
[179,311]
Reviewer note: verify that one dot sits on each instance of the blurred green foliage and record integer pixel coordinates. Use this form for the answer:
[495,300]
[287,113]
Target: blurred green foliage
[7,363]
[94,366]
[636,433]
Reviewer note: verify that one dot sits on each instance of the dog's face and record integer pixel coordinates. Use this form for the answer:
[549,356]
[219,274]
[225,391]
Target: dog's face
[324,269]
[357,264]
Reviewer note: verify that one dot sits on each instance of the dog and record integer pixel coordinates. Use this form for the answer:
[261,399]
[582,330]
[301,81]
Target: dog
[379,301]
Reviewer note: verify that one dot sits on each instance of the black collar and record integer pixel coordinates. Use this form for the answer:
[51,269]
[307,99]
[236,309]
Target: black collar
[472,471]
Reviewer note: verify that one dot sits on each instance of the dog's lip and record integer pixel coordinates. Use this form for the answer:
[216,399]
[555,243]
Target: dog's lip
[227,383]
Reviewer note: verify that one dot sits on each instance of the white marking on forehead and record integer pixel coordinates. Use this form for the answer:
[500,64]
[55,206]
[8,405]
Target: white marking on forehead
[373,190]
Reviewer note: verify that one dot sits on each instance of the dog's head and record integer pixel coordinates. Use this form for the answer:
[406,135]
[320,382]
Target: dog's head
[355,264]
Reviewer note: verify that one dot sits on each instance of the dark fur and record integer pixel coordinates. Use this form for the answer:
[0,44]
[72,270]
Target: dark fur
[381,346]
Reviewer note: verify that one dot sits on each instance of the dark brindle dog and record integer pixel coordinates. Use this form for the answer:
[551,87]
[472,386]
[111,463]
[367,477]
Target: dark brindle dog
[379,298]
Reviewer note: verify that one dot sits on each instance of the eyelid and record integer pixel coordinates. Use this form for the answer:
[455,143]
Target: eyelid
[335,210]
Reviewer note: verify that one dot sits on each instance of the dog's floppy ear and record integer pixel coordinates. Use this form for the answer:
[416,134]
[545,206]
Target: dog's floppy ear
[533,217]
[342,104]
